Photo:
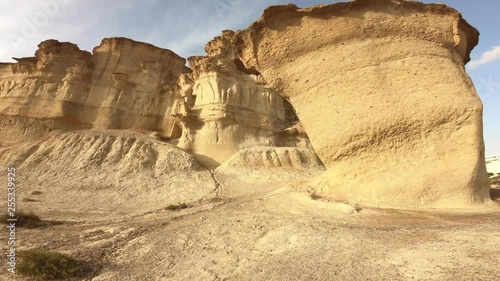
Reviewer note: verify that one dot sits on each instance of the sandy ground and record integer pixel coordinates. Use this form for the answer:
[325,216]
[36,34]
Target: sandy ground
[275,233]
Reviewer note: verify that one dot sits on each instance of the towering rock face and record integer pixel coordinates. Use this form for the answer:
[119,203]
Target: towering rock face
[214,111]
[35,92]
[381,89]
[124,84]
[224,109]
[137,81]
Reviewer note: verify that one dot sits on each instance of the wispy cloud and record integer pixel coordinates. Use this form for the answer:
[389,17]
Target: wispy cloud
[24,26]
[183,26]
[186,28]
[208,19]
[487,57]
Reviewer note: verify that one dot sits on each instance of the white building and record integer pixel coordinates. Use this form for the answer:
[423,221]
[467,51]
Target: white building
[493,165]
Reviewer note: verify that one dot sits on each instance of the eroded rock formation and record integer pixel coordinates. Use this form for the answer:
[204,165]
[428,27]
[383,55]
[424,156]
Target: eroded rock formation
[226,109]
[124,84]
[112,170]
[381,89]
[379,86]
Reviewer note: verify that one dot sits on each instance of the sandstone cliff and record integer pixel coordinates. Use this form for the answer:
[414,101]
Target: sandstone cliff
[226,109]
[379,86]
[381,89]
[124,84]
[135,161]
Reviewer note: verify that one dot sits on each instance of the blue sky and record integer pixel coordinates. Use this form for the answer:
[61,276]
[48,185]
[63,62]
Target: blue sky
[185,26]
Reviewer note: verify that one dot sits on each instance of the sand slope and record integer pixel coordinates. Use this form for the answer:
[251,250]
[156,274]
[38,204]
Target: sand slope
[116,171]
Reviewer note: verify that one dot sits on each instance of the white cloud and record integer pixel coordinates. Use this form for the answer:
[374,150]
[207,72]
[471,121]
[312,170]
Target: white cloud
[24,26]
[487,57]
[207,20]
[183,26]
[4,52]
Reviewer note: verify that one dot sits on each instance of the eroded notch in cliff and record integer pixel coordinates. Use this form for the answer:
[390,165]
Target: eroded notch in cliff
[290,114]
[241,67]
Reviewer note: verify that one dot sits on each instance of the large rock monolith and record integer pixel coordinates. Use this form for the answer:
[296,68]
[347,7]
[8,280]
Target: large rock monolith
[381,90]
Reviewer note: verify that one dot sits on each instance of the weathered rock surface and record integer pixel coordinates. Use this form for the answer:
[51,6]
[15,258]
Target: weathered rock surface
[226,109]
[263,169]
[107,171]
[379,87]
[124,84]
[275,157]
[381,90]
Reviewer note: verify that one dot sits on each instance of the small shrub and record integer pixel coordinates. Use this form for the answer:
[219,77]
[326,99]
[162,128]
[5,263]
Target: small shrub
[28,220]
[315,196]
[46,265]
[30,200]
[36,192]
[491,174]
[177,207]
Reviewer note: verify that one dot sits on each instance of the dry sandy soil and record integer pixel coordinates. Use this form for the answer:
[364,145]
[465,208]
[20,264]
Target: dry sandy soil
[273,232]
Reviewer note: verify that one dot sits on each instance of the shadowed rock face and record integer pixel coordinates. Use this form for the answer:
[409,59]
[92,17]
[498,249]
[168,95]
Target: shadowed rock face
[225,108]
[381,89]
